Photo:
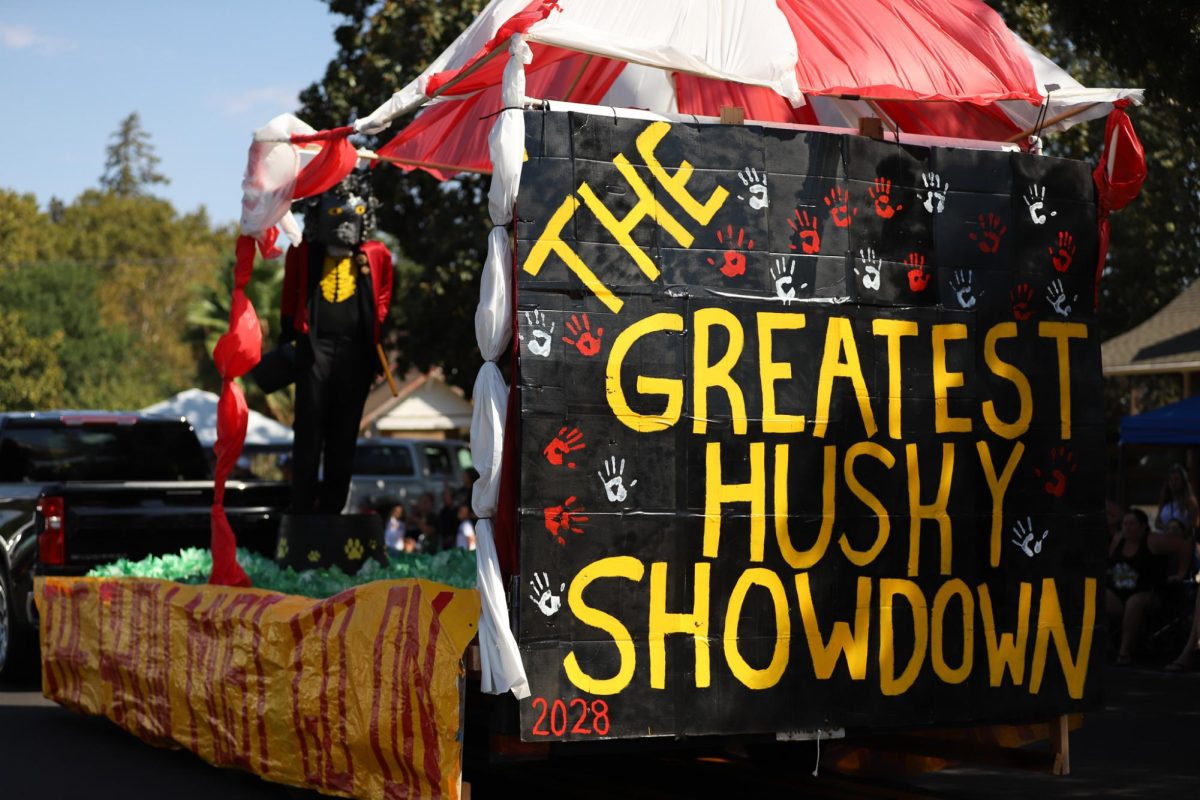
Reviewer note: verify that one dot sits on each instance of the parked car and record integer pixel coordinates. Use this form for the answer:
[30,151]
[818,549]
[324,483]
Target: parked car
[391,471]
[81,489]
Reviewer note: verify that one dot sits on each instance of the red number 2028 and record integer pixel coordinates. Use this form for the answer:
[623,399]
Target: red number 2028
[557,714]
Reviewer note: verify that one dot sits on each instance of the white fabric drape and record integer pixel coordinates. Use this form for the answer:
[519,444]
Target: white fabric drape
[500,659]
[271,170]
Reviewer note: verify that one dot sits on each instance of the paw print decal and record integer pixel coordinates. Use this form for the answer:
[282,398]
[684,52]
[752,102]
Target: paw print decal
[991,231]
[1059,466]
[918,276]
[353,549]
[587,344]
[840,212]
[757,188]
[313,556]
[881,193]
[1022,299]
[783,274]
[540,335]
[805,228]
[1061,258]
[562,519]
[735,261]
[567,441]
[935,192]
[871,269]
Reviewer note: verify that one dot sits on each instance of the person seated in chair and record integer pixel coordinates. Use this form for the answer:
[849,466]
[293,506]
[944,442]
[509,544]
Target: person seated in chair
[1134,573]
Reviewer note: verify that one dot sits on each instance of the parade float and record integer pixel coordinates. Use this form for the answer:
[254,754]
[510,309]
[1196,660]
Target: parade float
[801,439]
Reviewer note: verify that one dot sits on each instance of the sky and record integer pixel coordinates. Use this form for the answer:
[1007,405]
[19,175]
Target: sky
[202,76]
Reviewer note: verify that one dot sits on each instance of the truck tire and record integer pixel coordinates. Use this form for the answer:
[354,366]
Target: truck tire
[16,652]
[7,621]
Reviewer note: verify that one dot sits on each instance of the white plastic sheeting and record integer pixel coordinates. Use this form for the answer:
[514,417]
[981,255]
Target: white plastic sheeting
[271,170]
[500,659]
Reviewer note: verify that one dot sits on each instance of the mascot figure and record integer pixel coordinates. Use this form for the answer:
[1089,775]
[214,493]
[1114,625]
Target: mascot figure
[336,292]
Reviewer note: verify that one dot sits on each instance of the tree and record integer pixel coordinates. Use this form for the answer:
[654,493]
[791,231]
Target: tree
[132,165]
[30,376]
[25,233]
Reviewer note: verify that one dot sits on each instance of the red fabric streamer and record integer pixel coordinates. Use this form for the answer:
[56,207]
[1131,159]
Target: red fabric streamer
[1118,176]
[240,347]
[327,169]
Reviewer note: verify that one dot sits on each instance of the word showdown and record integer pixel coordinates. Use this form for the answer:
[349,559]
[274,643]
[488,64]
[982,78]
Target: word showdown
[810,431]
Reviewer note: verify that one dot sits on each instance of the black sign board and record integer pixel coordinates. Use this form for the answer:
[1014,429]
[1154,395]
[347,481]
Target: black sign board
[810,431]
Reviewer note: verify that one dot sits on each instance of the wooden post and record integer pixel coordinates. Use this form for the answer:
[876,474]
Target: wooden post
[1060,745]
[733,115]
[871,127]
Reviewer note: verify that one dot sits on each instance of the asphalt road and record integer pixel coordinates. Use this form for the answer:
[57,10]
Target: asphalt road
[1143,744]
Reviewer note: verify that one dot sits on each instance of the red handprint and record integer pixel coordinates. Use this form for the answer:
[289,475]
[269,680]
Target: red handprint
[839,207]
[1021,296]
[560,519]
[806,227]
[735,262]
[991,230]
[1061,462]
[881,193]
[918,278]
[584,341]
[1066,251]
[565,442]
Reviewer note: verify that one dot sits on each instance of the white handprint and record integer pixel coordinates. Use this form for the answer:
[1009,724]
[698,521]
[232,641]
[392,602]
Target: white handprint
[783,274]
[1056,296]
[545,599]
[960,284]
[935,192]
[613,479]
[758,188]
[1035,199]
[1026,537]
[539,339]
[871,265]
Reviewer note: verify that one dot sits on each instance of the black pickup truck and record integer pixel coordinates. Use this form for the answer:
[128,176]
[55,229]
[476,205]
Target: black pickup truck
[80,489]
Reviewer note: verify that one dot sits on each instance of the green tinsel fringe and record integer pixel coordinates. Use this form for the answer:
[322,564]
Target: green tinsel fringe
[452,567]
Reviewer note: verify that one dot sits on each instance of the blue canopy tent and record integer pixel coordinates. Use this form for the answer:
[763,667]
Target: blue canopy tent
[1176,424]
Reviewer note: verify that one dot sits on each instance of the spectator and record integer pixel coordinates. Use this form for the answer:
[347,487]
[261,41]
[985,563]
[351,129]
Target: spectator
[1177,502]
[395,529]
[1133,574]
[448,519]
[465,537]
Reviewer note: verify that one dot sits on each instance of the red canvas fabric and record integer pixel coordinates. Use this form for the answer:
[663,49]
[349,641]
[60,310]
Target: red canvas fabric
[451,136]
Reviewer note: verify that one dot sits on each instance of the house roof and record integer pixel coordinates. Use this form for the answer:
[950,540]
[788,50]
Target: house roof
[1169,341]
[425,402]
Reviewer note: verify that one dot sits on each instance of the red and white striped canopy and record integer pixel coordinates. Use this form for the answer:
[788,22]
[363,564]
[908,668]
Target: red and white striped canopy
[935,67]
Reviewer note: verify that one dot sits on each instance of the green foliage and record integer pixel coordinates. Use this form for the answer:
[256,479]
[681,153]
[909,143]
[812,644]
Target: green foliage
[113,275]
[132,165]
[192,566]
[30,376]
[24,231]
[441,229]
